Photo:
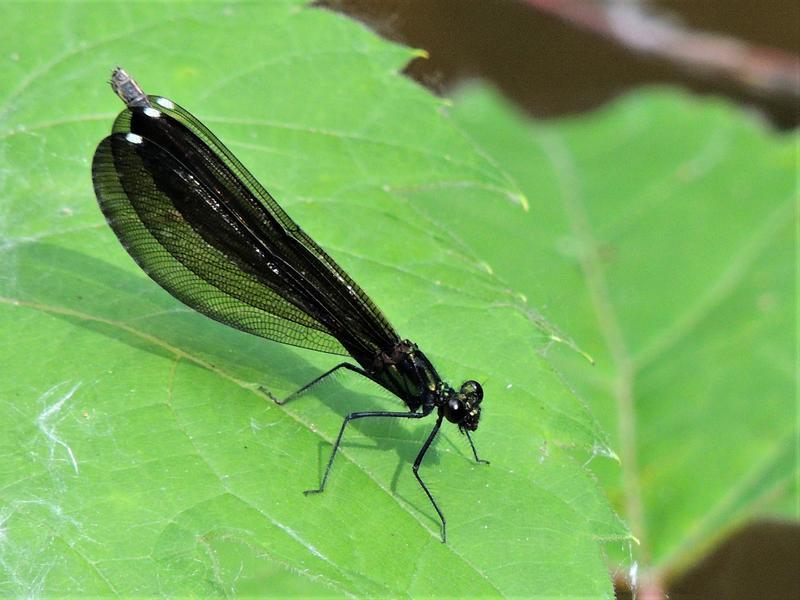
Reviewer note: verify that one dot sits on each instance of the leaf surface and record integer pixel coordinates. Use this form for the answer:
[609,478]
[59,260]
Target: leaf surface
[140,457]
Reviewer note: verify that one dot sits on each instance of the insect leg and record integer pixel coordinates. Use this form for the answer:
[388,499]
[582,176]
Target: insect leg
[314,382]
[415,468]
[474,452]
[352,417]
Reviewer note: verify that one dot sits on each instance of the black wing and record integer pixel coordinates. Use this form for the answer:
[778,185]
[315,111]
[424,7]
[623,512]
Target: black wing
[204,229]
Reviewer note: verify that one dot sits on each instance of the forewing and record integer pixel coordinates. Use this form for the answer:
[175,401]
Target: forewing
[350,306]
[180,234]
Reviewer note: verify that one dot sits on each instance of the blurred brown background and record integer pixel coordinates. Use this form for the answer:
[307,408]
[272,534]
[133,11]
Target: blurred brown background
[555,57]
[562,57]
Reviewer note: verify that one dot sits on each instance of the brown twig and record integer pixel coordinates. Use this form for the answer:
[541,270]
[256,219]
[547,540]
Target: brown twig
[760,69]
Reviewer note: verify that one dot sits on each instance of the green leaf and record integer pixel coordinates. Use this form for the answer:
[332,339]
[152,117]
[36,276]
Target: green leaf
[660,236]
[140,457]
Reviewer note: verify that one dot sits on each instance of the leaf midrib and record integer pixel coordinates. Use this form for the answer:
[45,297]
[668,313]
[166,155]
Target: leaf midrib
[571,198]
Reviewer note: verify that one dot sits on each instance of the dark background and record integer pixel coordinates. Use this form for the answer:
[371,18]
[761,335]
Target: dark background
[552,67]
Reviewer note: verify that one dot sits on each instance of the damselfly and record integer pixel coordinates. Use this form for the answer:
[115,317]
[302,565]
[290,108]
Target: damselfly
[199,224]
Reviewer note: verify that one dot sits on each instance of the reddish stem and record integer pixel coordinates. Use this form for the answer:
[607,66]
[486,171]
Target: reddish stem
[761,69]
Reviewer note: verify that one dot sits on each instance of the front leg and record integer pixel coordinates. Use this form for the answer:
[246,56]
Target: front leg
[474,452]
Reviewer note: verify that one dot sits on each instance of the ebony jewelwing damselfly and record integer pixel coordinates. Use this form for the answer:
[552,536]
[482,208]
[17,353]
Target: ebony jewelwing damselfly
[199,224]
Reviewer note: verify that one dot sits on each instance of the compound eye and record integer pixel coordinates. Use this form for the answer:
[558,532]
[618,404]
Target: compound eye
[473,391]
[455,410]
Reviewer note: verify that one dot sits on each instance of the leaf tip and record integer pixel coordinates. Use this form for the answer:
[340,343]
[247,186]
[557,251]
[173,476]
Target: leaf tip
[603,450]
[560,340]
